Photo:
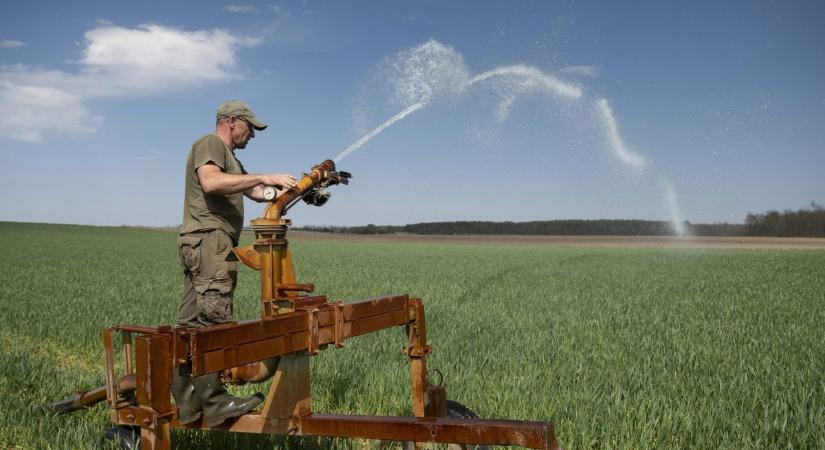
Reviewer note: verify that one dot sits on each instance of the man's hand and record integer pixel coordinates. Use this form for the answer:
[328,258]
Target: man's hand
[283,180]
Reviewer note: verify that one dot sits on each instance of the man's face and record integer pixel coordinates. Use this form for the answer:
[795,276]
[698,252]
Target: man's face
[242,133]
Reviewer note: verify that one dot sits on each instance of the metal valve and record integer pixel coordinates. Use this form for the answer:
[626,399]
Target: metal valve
[316,197]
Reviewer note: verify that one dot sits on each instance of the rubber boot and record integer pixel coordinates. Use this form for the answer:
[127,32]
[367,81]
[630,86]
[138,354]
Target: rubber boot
[189,404]
[219,405]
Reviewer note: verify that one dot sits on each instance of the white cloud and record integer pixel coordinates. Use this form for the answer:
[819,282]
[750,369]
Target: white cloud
[116,61]
[241,9]
[11,44]
[151,54]
[27,111]
[586,71]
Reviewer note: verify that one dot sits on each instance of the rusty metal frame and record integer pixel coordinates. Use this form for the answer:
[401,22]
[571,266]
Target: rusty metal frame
[306,330]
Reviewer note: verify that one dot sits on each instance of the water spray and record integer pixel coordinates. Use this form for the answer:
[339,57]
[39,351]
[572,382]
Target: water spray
[531,78]
[433,69]
[673,206]
[407,111]
[616,142]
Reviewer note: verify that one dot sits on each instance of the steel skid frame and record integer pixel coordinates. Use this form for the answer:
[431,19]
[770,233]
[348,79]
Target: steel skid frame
[151,355]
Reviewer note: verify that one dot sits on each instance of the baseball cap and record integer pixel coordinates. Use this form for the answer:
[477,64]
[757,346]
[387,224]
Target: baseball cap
[237,108]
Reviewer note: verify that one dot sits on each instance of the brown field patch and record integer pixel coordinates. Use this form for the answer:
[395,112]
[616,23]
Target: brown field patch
[578,241]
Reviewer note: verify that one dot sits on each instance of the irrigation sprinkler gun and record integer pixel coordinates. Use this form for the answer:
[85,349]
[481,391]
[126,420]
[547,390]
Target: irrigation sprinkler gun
[294,324]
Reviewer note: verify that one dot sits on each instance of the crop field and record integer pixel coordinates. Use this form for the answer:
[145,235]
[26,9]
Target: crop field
[622,348]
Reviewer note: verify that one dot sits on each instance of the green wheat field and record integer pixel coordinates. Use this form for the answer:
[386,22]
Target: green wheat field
[620,348]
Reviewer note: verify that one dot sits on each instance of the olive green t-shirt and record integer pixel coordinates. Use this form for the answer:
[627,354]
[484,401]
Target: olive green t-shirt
[202,211]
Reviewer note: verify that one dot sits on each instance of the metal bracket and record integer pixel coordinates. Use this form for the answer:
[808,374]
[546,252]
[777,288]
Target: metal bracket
[338,329]
[135,415]
[312,331]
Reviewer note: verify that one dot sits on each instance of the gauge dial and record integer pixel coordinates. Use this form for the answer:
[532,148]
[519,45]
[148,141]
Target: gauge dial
[270,192]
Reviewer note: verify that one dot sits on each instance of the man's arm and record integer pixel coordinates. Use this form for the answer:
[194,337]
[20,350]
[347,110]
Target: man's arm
[213,180]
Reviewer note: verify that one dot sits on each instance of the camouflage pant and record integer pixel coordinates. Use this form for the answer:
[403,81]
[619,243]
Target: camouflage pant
[210,275]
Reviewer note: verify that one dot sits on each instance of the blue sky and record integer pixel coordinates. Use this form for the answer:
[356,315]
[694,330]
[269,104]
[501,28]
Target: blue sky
[702,111]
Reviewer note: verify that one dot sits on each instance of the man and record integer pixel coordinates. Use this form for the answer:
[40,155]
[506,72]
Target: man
[212,221]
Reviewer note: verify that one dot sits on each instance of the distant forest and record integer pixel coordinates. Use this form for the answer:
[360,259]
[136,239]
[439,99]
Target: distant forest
[807,222]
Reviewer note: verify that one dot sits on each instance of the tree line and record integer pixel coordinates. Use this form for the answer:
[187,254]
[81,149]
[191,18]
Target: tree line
[804,222]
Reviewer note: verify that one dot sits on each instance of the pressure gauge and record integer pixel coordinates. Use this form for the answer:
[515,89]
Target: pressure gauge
[270,192]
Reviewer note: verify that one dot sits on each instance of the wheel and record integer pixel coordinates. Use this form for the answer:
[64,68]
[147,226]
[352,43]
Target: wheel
[455,410]
[126,435]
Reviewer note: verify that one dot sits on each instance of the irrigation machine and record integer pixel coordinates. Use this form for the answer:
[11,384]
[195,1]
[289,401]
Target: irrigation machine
[294,324]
